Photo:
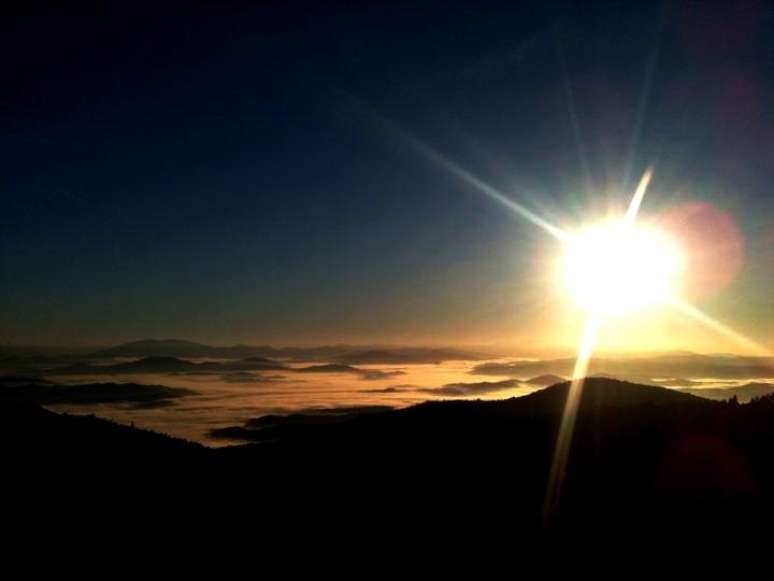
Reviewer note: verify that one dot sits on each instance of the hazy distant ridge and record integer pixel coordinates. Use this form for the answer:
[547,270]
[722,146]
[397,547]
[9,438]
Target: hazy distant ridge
[344,354]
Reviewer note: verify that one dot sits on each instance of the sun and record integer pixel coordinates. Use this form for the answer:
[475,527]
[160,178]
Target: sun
[614,268]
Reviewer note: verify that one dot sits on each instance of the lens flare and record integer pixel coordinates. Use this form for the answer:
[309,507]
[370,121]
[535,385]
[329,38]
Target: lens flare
[613,268]
[712,243]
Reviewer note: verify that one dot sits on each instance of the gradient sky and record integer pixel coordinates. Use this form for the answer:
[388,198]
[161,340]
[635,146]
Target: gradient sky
[237,175]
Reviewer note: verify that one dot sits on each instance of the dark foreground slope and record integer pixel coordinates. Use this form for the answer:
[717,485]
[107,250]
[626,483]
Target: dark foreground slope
[645,461]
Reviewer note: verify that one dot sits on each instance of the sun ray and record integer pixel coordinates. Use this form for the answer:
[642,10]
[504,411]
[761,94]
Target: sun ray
[702,317]
[574,123]
[570,413]
[460,172]
[594,320]
[456,170]
[639,194]
[585,352]
[644,99]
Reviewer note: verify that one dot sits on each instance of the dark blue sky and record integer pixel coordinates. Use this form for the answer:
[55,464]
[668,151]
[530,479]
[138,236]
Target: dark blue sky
[230,174]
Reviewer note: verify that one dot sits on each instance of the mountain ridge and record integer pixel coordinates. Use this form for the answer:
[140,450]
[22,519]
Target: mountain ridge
[641,457]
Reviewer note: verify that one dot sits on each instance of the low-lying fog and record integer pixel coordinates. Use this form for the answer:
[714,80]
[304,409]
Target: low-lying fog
[225,398]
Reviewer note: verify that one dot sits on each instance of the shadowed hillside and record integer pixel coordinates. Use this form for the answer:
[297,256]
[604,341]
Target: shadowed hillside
[642,457]
[43,392]
[743,393]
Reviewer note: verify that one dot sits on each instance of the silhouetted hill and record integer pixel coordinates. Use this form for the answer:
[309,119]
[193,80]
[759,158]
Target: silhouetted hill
[470,389]
[328,368]
[642,456]
[405,355]
[167,365]
[175,348]
[346,354]
[260,360]
[249,364]
[668,365]
[156,364]
[29,360]
[646,462]
[20,380]
[599,395]
[250,431]
[743,393]
[47,393]
[608,393]
[189,349]
[48,445]
[545,380]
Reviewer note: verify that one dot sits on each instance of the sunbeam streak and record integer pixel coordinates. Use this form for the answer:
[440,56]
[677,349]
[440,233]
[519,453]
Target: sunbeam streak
[567,426]
[700,316]
[585,352]
[438,158]
[639,194]
[456,170]
[453,168]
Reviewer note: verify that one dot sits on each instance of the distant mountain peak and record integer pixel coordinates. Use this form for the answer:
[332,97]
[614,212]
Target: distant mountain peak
[175,348]
[545,380]
[609,392]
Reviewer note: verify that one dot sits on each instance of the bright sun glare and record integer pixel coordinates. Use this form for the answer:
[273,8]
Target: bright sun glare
[615,269]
